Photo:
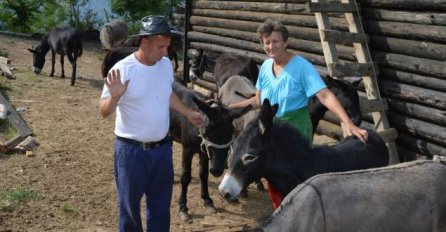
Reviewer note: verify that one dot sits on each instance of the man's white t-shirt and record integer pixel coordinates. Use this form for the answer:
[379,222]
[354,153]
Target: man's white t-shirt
[142,113]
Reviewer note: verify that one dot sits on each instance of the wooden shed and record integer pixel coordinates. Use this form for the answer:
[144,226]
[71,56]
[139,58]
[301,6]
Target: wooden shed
[407,42]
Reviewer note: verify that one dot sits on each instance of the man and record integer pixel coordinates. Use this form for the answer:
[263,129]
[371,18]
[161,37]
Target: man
[139,89]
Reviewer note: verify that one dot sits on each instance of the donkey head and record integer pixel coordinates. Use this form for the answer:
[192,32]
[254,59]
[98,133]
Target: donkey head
[248,153]
[218,134]
[39,54]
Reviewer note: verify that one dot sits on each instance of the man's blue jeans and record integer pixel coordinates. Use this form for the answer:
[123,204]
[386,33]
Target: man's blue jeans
[138,172]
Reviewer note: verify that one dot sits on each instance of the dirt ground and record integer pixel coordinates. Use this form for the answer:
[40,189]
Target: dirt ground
[72,170]
[73,165]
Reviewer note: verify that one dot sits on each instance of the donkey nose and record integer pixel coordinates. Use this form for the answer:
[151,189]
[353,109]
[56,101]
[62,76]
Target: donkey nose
[36,70]
[216,172]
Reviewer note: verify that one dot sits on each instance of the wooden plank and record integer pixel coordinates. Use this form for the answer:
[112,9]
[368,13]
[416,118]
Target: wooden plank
[411,64]
[414,48]
[433,33]
[341,37]
[4,60]
[363,55]
[329,48]
[426,18]
[16,119]
[326,7]
[6,71]
[310,46]
[432,5]
[294,31]
[425,81]
[205,84]
[274,7]
[389,135]
[368,106]
[351,69]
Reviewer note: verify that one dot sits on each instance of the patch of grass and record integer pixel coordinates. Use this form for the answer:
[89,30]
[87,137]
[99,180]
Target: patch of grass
[3,53]
[68,209]
[16,198]
[7,129]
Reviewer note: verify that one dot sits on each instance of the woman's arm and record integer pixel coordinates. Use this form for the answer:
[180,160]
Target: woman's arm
[329,100]
[254,101]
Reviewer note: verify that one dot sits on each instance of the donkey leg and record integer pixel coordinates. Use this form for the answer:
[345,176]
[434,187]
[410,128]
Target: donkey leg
[73,75]
[260,186]
[61,64]
[244,192]
[204,177]
[72,57]
[186,169]
[53,61]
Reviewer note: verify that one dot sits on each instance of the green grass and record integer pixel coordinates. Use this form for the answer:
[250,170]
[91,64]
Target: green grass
[3,53]
[7,129]
[68,209]
[15,199]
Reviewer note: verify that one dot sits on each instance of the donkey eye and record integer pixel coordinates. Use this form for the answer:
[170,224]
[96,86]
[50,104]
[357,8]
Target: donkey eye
[248,158]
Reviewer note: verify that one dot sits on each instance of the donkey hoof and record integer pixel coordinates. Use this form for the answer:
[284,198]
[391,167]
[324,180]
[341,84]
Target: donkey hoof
[260,187]
[211,209]
[244,194]
[185,216]
[62,76]
[51,75]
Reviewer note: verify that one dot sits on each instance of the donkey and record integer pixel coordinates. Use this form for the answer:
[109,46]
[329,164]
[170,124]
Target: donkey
[347,96]
[113,56]
[63,41]
[405,197]
[131,45]
[113,34]
[212,143]
[279,153]
[236,76]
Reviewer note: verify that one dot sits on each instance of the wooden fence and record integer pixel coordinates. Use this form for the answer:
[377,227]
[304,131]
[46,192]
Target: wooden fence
[407,41]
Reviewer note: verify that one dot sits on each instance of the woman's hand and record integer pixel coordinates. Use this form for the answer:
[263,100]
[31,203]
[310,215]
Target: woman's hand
[358,132]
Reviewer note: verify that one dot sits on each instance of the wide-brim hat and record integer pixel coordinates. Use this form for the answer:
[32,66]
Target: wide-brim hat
[157,25]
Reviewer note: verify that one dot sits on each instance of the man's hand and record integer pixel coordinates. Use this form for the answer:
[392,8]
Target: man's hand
[114,84]
[196,119]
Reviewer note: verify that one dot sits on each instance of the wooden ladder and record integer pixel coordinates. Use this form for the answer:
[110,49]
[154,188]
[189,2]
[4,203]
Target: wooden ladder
[364,66]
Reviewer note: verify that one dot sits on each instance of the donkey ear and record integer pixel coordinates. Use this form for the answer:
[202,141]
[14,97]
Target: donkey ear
[266,116]
[31,50]
[206,109]
[236,113]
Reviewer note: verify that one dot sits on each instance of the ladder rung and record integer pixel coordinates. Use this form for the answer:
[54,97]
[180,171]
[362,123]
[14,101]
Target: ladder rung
[342,37]
[388,135]
[331,7]
[374,105]
[351,69]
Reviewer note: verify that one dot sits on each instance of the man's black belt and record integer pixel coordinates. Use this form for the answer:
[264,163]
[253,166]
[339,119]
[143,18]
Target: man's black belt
[145,146]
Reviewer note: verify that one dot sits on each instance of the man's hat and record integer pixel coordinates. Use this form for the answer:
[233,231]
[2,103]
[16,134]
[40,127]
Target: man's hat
[157,25]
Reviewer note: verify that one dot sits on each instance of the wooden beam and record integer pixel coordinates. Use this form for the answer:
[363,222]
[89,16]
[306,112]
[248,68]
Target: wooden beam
[16,119]
[330,7]
[352,69]
[341,37]
[4,60]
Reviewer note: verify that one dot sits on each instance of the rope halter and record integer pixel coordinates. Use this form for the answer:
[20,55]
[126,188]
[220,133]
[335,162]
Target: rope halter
[206,143]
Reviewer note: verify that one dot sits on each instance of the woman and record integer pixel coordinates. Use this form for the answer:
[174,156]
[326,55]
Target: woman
[290,80]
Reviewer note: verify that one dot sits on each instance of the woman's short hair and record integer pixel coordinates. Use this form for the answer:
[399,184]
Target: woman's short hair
[271,25]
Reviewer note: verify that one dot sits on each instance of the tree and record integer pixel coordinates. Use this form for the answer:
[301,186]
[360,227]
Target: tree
[18,14]
[133,10]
